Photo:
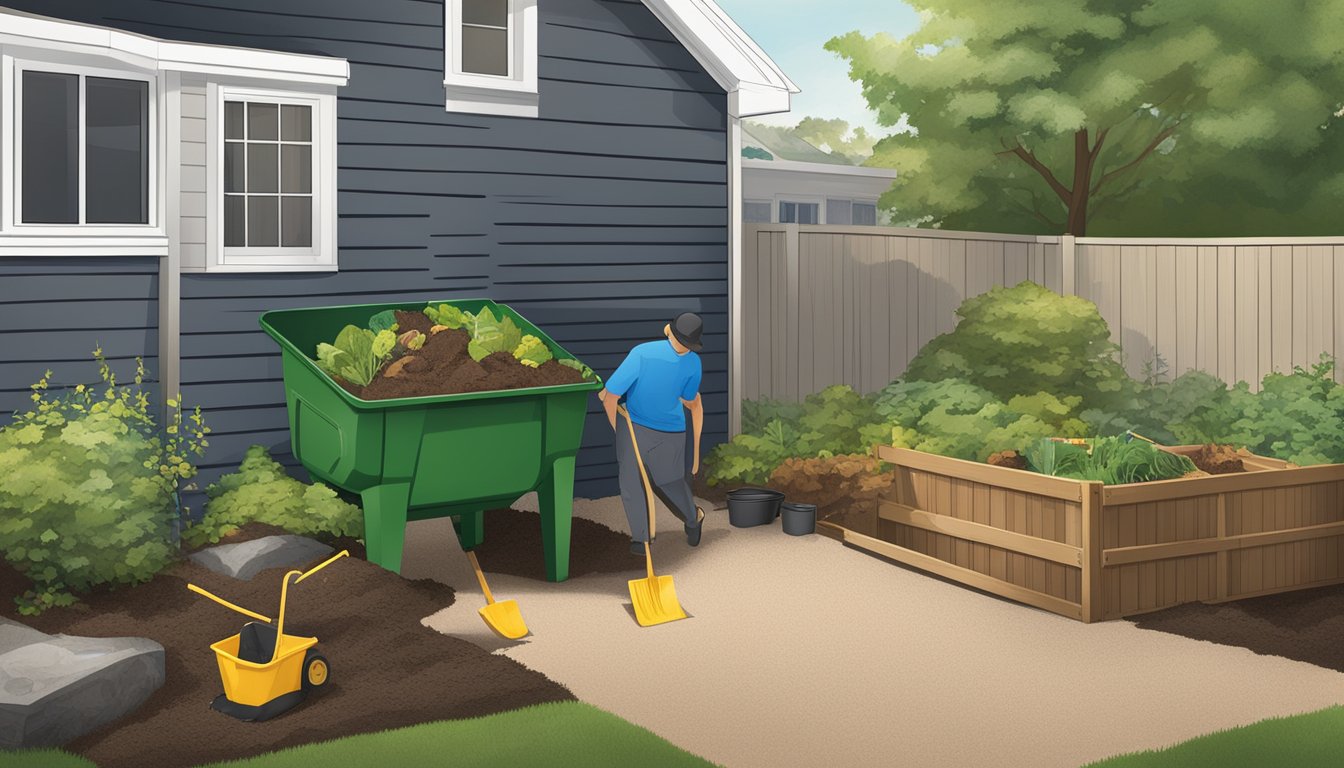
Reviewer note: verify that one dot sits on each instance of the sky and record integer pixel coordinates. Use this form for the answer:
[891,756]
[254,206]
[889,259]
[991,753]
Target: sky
[793,33]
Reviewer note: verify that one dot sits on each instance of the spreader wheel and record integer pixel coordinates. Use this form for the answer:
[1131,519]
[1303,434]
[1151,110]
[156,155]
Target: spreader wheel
[316,671]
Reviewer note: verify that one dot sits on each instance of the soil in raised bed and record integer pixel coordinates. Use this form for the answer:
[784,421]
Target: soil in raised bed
[1009,459]
[388,670]
[1217,459]
[1305,625]
[443,367]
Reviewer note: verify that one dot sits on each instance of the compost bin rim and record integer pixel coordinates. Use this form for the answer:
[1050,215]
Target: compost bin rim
[412,402]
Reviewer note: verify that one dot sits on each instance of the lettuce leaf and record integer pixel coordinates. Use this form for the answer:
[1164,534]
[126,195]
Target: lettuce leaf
[490,335]
[532,352]
[448,315]
[384,321]
[580,367]
[357,354]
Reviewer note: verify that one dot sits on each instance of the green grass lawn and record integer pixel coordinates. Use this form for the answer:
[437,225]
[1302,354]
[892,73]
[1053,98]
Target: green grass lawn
[562,734]
[1313,740]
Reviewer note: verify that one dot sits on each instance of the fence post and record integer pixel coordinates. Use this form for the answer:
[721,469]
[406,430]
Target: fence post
[1068,252]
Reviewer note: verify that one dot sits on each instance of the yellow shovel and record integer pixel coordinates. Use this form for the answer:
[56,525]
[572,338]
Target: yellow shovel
[654,597]
[503,616]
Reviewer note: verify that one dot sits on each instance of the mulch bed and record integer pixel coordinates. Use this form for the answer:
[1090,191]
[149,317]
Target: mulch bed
[443,367]
[1304,626]
[388,670]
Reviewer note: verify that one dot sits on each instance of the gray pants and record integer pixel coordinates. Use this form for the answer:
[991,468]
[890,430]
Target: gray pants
[664,455]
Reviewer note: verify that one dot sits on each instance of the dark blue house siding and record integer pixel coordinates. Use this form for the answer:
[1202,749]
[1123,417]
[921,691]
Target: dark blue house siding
[598,220]
[55,310]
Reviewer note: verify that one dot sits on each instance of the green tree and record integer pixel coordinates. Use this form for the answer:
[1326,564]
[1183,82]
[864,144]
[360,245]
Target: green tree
[1060,111]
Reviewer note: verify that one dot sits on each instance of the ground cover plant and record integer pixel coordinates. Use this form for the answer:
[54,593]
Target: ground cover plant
[1024,364]
[441,350]
[1311,740]
[91,477]
[262,492]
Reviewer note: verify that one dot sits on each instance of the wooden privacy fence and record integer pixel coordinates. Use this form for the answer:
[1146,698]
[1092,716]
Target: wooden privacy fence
[826,305]
[1094,552]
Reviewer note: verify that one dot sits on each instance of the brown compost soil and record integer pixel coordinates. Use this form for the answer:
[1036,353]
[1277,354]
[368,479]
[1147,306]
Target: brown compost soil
[513,546]
[443,367]
[1218,459]
[1009,459]
[388,670]
[837,484]
[1305,625]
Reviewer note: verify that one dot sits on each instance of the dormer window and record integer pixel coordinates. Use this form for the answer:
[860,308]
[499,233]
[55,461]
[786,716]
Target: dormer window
[490,52]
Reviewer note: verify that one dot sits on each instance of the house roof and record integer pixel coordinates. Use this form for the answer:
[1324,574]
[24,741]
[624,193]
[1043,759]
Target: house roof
[26,29]
[783,145]
[755,84]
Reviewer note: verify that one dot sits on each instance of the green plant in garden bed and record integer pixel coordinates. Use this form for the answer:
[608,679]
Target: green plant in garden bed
[1109,460]
[261,492]
[90,477]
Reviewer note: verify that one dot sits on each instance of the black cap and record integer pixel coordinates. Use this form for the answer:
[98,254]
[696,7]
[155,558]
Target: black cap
[686,328]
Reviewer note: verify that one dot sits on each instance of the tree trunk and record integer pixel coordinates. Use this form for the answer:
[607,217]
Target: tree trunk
[1083,158]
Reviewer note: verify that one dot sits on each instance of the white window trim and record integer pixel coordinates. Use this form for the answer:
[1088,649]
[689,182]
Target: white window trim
[76,239]
[321,255]
[515,95]
[820,202]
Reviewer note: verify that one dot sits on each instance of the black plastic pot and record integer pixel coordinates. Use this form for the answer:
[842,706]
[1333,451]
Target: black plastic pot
[798,519]
[748,507]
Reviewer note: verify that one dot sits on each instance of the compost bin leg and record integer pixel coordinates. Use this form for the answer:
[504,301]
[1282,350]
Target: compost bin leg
[556,495]
[385,523]
[470,529]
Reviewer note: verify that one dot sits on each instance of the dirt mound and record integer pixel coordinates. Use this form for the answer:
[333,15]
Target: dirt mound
[1217,459]
[1009,459]
[388,670]
[443,367]
[837,484]
[513,546]
[1304,626]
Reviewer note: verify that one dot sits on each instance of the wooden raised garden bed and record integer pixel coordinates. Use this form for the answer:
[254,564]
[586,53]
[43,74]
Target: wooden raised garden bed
[1094,552]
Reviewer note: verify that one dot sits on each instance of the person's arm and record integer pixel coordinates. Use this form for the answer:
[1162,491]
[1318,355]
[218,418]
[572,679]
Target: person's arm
[697,409]
[609,402]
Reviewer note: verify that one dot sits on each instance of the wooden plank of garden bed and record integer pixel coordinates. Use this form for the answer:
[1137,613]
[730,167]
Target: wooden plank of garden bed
[1149,552]
[964,575]
[1001,477]
[1183,487]
[983,534]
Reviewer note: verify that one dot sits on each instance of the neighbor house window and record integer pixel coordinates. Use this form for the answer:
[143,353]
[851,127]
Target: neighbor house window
[83,147]
[798,213]
[865,214]
[490,52]
[756,213]
[275,181]
[839,212]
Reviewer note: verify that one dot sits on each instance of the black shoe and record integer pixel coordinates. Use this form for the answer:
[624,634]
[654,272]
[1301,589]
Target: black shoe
[693,531]
[637,548]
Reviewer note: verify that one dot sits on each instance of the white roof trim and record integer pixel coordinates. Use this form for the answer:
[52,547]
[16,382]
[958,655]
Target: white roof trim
[730,56]
[25,29]
[822,168]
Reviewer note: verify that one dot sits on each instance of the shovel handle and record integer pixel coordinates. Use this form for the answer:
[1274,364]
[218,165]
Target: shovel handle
[480,576]
[643,475]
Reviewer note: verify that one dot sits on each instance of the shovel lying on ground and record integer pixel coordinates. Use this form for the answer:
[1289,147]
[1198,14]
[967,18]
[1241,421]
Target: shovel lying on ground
[502,616]
[655,597]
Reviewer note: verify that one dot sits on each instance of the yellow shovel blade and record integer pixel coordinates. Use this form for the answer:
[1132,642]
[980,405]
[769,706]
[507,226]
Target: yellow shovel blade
[655,601]
[505,618]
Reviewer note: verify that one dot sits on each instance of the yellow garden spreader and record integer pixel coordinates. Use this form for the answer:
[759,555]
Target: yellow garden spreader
[264,677]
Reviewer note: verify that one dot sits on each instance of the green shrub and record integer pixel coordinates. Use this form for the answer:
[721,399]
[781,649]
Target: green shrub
[1026,340]
[956,418]
[1297,417]
[88,495]
[758,413]
[261,492]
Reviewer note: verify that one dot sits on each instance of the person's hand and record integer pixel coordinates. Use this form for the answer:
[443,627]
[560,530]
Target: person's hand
[695,464]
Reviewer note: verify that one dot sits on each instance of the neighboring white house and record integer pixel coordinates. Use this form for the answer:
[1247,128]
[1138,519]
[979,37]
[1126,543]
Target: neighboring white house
[788,181]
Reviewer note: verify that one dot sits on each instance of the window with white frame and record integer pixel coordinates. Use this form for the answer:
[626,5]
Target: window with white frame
[798,212]
[274,188]
[756,212]
[865,214]
[847,212]
[83,147]
[490,51]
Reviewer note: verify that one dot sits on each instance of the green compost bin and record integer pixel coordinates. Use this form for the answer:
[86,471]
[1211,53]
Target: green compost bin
[417,458]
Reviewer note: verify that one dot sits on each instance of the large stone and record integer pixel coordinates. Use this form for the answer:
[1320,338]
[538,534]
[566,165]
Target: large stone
[56,688]
[247,559]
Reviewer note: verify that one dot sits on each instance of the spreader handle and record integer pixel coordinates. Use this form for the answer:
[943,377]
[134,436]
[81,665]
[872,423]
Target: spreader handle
[323,564]
[228,605]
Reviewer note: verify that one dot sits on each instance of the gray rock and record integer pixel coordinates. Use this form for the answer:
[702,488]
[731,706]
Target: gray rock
[247,559]
[56,688]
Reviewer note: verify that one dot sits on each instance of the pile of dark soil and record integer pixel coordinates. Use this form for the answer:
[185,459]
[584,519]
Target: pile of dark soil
[443,367]
[836,485]
[1304,626]
[388,670]
[513,546]
[1218,459]
[1009,459]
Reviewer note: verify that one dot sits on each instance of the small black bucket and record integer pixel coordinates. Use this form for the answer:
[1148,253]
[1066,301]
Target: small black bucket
[798,519]
[748,507]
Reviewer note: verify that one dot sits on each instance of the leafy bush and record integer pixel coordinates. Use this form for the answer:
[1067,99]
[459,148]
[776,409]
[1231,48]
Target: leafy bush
[956,418]
[758,413]
[1110,460]
[836,420]
[260,491]
[88,496]
[1026,340]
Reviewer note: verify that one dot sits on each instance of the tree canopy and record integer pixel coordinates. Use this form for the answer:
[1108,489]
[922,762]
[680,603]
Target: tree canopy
[1179,117]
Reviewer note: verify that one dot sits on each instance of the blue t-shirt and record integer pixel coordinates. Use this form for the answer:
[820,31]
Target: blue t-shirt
[655,379]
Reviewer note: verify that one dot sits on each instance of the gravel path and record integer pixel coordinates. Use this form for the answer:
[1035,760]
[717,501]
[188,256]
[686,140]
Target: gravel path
[802,652]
